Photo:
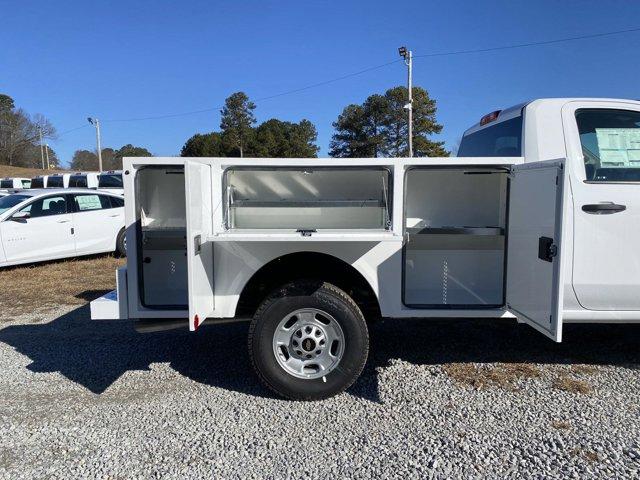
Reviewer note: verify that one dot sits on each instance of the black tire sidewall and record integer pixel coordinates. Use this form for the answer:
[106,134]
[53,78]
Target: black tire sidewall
[121,251]
[344,374]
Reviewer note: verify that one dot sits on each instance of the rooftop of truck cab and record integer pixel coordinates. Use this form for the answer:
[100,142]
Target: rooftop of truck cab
[557,103]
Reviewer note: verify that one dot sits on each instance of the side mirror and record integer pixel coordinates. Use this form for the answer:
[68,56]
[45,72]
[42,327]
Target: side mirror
[20,217]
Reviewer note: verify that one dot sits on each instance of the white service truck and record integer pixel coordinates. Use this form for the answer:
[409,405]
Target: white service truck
[536,220]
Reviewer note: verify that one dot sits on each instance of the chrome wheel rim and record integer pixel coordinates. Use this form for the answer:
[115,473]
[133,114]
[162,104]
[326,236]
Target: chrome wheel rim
[308,343]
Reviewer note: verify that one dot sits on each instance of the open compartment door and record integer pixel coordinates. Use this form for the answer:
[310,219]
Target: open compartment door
[534,283]
[198,192]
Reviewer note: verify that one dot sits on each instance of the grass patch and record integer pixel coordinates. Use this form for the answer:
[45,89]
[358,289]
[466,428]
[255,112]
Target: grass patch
[572,385]
[501,375]
[46,286]
[8,171]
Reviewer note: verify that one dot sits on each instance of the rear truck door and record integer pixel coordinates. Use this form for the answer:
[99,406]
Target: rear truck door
[198,191]
[534,280]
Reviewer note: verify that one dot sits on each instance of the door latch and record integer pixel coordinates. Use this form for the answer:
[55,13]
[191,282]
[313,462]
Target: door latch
[197,245]
[546,249]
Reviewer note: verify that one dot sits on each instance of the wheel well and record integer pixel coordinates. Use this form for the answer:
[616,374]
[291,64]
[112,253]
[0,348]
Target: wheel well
[311,266]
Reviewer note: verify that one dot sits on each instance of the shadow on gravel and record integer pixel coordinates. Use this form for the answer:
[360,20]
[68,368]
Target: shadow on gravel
[95,354]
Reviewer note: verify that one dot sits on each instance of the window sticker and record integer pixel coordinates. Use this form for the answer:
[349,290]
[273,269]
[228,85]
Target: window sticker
[619,147]
[88,202]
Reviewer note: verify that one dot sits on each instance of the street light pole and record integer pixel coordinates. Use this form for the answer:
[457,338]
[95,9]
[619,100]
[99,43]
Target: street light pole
[96,123]
[41,149]
[408,61]
[46,150]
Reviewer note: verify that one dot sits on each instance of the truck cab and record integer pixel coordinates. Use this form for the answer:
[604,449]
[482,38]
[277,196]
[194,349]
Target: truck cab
[600,139]
[15,182]
[533,221]
[84,180]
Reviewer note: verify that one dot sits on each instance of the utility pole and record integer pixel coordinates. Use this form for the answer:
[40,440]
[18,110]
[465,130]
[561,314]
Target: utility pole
[96,123]
[46,150]
[41,148]
[408,61]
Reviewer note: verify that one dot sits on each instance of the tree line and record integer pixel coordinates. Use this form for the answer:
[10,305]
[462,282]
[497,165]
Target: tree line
[111,159]
[20,136]
[240,137]
[376,128]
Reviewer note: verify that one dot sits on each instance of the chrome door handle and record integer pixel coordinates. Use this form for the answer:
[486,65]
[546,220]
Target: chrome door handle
[63,221]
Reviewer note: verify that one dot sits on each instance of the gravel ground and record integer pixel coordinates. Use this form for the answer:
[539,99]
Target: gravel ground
[438,399]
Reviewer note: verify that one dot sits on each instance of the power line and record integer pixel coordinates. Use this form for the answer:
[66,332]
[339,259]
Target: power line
[376,67]
[288,92]
[70,130]
[530,44]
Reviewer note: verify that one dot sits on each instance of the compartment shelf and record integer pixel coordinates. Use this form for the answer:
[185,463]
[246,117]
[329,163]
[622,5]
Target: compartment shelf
[487,231]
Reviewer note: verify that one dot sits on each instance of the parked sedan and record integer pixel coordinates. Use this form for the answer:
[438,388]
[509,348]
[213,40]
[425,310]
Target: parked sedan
[46,224]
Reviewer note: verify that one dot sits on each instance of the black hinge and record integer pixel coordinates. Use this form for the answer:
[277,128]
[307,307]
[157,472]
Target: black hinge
[306,232]
[73,231]
[546,249]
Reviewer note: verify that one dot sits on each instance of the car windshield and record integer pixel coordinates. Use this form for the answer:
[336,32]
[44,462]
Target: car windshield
[110,180]
[11,201]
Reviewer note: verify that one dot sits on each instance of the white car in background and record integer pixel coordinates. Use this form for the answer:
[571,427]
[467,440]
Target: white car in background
[58,180]
[15,183]
[47,224]
[83,180]
[111,181]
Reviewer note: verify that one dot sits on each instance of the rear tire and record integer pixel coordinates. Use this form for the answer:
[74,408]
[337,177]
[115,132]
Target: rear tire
[308,340]
[121,244]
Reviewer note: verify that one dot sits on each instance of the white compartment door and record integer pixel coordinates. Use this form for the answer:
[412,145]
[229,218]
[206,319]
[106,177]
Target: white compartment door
[534,283]
[198,191]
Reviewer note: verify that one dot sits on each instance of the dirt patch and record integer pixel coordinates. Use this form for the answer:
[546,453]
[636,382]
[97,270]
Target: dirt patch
[501,375]
[561,425]
[572,385]
[581,369]
[588,455]
[45,286]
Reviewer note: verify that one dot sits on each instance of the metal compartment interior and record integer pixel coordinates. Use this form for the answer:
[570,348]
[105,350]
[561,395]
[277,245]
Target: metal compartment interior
[455,220]
[308,198]
[162,236]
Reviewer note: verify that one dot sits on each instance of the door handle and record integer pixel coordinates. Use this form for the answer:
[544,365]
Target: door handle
[603,208]
[63,221]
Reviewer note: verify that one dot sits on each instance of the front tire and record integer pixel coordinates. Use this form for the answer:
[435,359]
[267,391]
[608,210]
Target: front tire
[308,341]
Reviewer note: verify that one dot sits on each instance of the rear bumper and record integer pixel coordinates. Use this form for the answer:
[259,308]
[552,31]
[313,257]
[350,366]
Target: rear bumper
[113,305]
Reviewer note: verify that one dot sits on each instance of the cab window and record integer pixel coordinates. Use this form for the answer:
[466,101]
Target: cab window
[110,180]
[610,141]
[503,139]
[47,206]
[89,202]
[78,181]
[55,182]
[37,183]
[6,183]
[117,202]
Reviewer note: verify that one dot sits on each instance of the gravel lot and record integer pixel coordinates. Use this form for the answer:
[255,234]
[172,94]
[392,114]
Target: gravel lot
[437,399]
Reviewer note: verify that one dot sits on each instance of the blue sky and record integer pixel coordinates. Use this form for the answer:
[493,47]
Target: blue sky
[120,60]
